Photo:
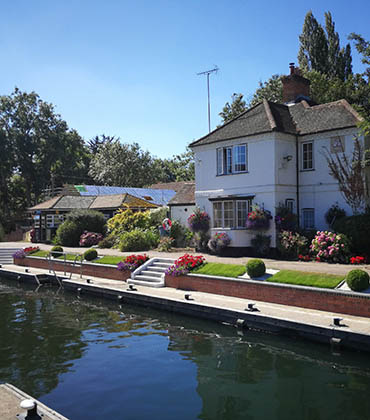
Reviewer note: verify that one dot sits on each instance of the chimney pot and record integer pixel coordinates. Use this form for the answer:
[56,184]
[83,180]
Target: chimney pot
[291,66]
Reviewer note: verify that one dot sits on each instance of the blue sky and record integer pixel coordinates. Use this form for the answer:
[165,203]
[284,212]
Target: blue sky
[128,68]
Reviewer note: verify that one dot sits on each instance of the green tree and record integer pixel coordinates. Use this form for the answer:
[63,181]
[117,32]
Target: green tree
[233,109]
[37,146]
[97,141]
[178,168]
[122,164]
[272,90]
[320,49]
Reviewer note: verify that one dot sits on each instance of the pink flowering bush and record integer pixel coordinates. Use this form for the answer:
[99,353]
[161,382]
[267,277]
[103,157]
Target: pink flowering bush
[292,244]
[90,238]
[330,247]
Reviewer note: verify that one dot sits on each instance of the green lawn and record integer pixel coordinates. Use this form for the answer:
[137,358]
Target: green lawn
[70,257]
[218,269]
[109,259]
[301,278]
[40,253]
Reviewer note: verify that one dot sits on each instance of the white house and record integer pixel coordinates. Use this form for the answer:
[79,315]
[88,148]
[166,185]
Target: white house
[272,154]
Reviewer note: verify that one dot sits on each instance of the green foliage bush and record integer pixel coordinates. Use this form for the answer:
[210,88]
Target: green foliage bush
[76,223]
[334,213]
[358,280]
[2,233]
[261,244]
[138,240]
[68,234]
[291,244]
[127,220]
[256,268]
[109,242]
[56,251]
[165,244]
[90,254]
[357,228]
[88,220]
[182,235]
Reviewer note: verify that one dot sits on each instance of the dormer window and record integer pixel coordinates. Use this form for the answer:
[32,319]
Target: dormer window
[232,160]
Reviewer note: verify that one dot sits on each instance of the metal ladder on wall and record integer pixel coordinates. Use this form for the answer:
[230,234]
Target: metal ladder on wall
[77,260]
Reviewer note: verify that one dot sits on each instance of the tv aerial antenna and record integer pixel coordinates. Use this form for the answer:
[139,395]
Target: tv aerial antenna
[207,73]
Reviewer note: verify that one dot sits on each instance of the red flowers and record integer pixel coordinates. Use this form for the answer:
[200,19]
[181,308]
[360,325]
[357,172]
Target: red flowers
[358,260]
[31,249]
[304,257]
[185,264]
[132,262]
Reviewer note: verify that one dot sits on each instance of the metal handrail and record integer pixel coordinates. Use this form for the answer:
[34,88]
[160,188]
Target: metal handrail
[51,263]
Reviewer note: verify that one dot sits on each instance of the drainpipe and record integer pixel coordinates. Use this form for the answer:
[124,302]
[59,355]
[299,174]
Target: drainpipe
[297,178]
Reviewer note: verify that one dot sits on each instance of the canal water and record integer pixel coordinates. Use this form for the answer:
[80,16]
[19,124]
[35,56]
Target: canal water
[92,359]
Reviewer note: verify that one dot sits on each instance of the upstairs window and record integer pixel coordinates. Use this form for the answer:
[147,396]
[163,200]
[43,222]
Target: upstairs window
[307,156]
[232,160]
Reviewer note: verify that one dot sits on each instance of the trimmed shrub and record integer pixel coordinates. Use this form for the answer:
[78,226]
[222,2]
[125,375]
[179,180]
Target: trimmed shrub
[138,240]
[68,234]
[357,228]
[56,251]
[256,268]
[76,223]
[90,254]
[358,280]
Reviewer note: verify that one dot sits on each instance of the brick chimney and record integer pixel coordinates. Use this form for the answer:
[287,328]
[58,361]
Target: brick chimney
[295,85]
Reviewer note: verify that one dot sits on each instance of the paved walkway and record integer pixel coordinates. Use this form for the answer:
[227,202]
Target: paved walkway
[315,267]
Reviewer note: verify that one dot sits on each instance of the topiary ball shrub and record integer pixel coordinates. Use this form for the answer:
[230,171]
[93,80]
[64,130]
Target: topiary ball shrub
[256,268]
[56,251]
[90,254]
[358,280]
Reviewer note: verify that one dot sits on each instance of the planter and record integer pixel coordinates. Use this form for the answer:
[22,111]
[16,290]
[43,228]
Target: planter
[88,269]
[328,300]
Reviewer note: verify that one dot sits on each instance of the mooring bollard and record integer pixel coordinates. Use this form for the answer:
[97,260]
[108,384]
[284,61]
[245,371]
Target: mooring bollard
[31,407]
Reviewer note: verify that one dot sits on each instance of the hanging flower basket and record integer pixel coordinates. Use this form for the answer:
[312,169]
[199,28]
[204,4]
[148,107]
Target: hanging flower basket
[258,219]
[199,221]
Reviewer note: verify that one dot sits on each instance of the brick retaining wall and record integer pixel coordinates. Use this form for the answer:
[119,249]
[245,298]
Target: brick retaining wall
[350,303]
[96,270]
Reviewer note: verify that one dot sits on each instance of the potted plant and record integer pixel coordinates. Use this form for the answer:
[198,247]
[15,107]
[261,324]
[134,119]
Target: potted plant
[258,219]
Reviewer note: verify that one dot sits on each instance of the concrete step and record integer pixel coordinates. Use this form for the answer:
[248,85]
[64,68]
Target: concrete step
[145,283]
[157,269]
[151,273]
[161,265]
[147,278]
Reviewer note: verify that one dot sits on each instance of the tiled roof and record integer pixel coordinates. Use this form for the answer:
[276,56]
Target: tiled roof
[330,116]
[299,119]
[186,195]
[48,204]
[176,186]
[115,201]
[72,202]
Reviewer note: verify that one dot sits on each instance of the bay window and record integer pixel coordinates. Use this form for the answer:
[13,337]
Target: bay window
[230,214]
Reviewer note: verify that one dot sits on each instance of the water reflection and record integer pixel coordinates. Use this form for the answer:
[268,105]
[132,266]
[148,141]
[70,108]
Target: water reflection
[159,365]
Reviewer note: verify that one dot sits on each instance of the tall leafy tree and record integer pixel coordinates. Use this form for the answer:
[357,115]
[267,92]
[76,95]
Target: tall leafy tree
[233,109]
[178,168]
[122,164]
[271,90]
[313,51]
[37,148]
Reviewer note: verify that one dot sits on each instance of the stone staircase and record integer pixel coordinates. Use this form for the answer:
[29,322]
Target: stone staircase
[6,255]
[151,273]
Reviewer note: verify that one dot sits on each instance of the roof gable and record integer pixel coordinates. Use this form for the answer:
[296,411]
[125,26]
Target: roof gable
[186,195]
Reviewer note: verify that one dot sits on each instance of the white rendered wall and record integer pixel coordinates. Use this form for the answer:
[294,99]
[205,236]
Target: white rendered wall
[181,213]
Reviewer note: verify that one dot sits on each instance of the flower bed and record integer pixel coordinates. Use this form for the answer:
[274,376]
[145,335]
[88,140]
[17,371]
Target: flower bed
[185,264]
[132,262]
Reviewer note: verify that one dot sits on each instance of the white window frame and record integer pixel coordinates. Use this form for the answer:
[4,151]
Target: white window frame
[235,225]
[303,156]
[305,213]
[226,159]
